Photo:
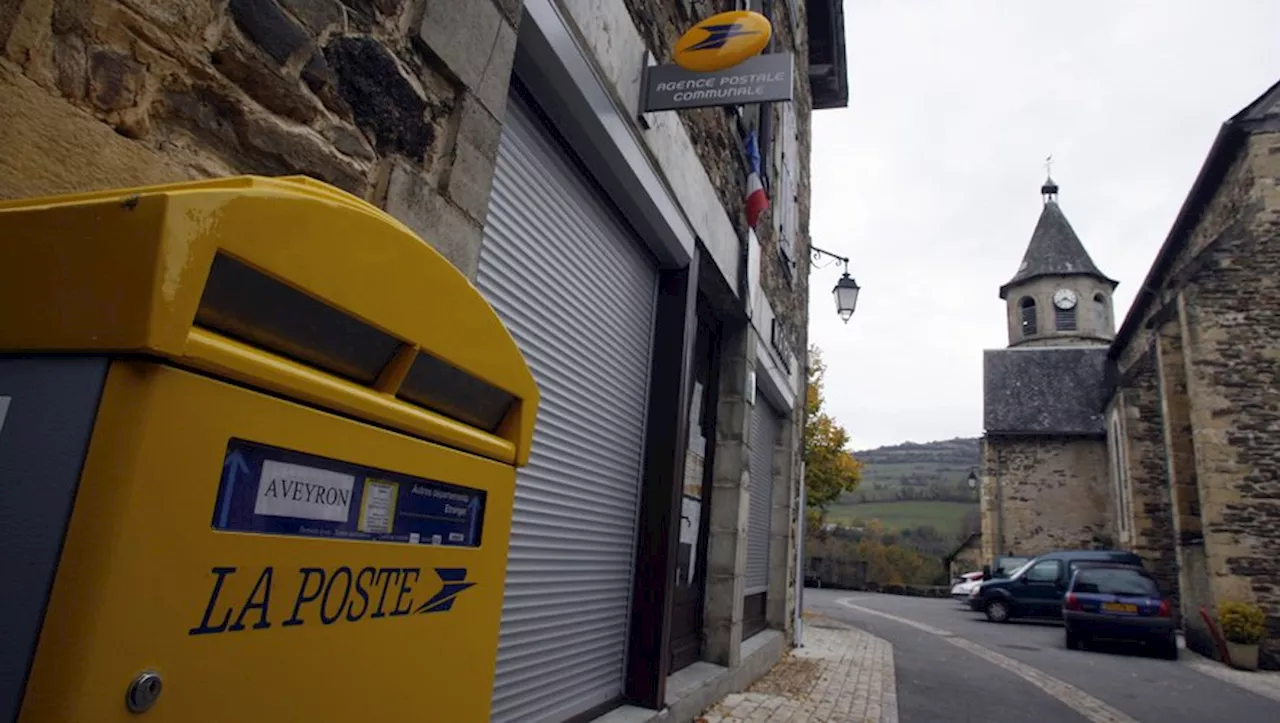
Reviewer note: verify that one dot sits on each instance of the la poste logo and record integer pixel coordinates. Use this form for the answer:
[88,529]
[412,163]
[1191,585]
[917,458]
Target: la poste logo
[722,41]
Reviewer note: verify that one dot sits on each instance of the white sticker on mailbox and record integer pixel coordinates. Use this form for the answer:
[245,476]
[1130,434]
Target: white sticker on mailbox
[292,490]
[378,509]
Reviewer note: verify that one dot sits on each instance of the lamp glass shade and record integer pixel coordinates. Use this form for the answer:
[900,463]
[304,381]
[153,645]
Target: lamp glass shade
[846,294]
[973,480]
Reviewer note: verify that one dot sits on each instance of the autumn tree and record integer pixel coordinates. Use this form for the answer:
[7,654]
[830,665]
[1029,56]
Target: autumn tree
[830,469]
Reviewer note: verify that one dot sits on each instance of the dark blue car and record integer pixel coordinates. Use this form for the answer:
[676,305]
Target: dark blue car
[1118,602]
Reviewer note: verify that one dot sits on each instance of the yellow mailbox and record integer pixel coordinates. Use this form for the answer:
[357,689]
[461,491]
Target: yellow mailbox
[258,448]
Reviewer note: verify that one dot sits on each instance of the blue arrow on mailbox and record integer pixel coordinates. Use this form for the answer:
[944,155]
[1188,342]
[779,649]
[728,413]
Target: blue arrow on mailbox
[233,465]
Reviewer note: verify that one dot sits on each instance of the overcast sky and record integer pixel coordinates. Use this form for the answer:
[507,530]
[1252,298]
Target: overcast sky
[930,180]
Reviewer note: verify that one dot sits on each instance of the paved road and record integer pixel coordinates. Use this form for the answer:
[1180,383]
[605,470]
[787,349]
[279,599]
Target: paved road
[953,665]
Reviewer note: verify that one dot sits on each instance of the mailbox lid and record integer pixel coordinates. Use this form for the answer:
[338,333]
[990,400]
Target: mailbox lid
[138,270]
[146,582]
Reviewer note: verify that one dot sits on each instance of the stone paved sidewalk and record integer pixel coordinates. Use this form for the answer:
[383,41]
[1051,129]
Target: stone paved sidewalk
[841,674]
[1262,682]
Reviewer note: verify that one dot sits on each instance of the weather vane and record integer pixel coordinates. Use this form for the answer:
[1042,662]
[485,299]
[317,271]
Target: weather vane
[1048,165]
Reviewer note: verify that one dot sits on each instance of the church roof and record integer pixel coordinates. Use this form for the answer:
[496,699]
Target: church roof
[1055,250]
[1045,390]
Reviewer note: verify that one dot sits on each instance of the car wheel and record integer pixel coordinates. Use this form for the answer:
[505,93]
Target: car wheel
[1169,647]
[997,611]
[1073,640]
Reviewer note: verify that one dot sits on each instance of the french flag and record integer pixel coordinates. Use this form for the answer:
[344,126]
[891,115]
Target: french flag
[757,199]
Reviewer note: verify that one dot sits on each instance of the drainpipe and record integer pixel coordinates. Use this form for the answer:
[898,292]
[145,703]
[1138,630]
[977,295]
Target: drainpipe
[798,640]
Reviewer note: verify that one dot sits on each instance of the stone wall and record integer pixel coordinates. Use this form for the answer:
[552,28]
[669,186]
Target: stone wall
[718,144]
[1044,493]
[1230,304]
[1095,323]
[1221,211]
[387,99]
[969,559]
[1151,531]
[1215,328]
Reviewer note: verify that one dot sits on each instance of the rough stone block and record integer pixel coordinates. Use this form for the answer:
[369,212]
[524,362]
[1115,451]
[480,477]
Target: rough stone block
[492,90]
[730,462]
[264,82]
[317,15]
[733,418]
[470,179]
[349,141]
[385,103]
[322,81]
[722,551]
[462,35]
[727,504]
[277,149]
[115,80]
[71,64]
[269,27]
[36,127]
[478,127]
[412,200]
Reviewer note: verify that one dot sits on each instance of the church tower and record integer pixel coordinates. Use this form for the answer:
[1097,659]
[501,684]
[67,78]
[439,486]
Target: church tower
[1045,479]
[1058,297]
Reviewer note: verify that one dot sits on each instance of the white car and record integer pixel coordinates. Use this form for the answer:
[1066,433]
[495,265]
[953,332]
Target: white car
[965,584]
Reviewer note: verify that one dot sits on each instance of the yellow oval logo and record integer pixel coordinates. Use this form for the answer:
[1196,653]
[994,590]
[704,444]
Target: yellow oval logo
[722,41]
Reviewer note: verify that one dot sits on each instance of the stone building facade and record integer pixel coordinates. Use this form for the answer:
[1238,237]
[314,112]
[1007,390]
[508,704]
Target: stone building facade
[1186,414]
[467,120]
[1194,409]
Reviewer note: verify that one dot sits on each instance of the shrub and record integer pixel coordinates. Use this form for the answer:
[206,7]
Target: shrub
[1242,623]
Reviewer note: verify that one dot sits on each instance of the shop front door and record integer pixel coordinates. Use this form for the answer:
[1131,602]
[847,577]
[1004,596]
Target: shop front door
[691,567]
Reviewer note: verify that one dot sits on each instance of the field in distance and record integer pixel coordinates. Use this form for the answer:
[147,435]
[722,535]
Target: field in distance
[946,517]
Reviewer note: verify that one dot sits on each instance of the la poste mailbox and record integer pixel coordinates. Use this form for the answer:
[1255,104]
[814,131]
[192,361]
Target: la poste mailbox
[258,446]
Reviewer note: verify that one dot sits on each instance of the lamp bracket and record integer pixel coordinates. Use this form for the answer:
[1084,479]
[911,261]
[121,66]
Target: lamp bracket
[816,253]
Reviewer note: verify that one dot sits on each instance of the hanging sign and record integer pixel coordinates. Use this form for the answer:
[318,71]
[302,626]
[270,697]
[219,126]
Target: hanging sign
[722,41]
[762,79]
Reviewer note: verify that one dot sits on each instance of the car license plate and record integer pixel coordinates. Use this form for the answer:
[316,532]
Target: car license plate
[1119,608]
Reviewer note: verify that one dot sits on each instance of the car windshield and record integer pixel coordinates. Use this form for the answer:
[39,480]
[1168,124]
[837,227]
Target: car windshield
[1020,569]
[1010,566]
[1115,581]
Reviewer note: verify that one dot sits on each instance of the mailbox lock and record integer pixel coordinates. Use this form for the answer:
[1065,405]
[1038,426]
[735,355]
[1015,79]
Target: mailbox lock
[143,692]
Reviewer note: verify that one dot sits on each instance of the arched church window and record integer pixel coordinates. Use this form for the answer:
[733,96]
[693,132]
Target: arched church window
[1027,307]
[1099,298]
[1065,319]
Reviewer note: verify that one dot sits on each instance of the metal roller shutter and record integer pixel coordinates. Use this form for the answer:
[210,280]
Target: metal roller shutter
[764,437]
[577,292]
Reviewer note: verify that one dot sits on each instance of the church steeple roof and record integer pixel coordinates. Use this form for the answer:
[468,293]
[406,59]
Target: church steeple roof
[1055,250]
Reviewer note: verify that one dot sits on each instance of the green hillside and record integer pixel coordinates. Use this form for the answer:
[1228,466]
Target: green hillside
[910,485]
[914,471]
[946,517]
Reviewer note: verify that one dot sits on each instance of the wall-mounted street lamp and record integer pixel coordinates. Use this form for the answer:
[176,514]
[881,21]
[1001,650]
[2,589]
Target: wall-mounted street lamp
[973,480]
[846,290]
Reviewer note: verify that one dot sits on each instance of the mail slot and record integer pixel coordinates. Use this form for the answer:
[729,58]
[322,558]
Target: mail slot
[258,447]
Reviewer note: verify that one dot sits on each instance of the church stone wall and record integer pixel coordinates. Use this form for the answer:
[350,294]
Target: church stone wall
[1220,213]
[1044,493]
[1148,505]
[1231,331]
[1217,329]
